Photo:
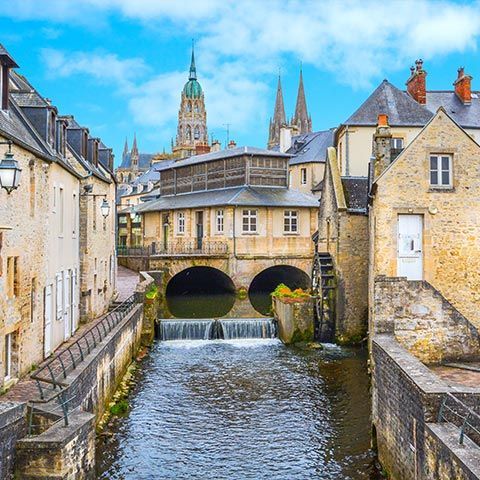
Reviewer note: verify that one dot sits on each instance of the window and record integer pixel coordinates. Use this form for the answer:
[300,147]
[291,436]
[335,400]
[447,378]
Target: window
[303,176]
[397,143]
[8,355]
[249,221]
[180,222]
[197,133]
[441,170]
[13,277]
[74,216]
[60,211]
[290,221]
[59,295]
[219,221]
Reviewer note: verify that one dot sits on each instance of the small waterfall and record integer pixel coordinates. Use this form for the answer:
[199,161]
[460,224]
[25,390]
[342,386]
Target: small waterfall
[185,329]
[248,328]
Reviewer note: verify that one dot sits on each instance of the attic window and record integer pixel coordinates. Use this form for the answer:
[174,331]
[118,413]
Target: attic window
[51,129]
[441,171]
[85,145]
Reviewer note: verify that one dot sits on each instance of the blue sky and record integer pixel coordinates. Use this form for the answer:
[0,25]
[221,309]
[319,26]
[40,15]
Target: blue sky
[119,65]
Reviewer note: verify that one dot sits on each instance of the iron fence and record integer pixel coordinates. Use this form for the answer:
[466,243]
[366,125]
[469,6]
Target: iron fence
[179,247]
[466,418]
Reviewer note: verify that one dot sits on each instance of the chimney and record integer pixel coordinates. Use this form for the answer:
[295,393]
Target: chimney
[382,144]
[232,144]
[416,84]
[463,87]
[216,146]
[285,138]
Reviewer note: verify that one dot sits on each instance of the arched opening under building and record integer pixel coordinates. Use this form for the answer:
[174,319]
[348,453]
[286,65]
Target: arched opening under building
[267,281]
[200,292]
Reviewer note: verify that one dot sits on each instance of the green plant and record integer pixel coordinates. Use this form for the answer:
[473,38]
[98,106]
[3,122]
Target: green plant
[152,292]
[282,291]
[119,408]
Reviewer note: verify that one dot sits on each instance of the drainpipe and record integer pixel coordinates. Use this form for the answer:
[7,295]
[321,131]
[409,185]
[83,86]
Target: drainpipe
[347,150]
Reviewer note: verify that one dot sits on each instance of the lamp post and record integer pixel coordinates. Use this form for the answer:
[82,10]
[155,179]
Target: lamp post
[9,170]
[104,206]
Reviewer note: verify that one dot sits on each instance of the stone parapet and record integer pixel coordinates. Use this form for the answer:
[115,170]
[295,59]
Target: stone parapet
[295,320]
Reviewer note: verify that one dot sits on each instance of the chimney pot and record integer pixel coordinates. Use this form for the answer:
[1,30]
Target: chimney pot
[416,84]
[463,87]
[382,120]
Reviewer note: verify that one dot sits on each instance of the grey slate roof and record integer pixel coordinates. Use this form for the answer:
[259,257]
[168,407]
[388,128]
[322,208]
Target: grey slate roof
[228,153]
[356,193]
[151,175]
[310,147]
[402,110]
[163,165]
[144,160]
[241,196]
[465,115]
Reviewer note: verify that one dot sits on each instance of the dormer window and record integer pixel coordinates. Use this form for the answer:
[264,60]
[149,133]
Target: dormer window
[51,129]
[85,145]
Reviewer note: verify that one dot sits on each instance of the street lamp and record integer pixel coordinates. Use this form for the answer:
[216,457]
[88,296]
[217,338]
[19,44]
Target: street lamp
[9,170]
[133,215]
[105,208]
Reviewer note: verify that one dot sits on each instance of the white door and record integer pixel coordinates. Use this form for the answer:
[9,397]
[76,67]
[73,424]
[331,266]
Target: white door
[73,298]
[409,250]
[47,319]
[67,314]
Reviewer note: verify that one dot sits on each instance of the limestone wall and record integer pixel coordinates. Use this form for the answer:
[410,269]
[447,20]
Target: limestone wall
[13,425]
[423,321]
[451,251]
[295,320]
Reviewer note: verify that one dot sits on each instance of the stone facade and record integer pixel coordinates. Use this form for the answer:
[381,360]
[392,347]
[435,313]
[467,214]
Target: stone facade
[294,320]
[343,232]
[13,425]
[450,215]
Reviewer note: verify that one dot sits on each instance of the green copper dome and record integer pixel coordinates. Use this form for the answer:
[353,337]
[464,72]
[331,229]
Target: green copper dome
[192,89]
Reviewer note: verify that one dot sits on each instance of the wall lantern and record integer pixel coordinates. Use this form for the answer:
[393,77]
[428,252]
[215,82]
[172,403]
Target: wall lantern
[133,215]
[9,170]
[105,208]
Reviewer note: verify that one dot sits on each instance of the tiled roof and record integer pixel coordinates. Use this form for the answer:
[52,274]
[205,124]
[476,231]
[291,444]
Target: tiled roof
[143,161]
[310,147]
[465,115]
[241,196]
[356,192]
[402,110]
[151,175]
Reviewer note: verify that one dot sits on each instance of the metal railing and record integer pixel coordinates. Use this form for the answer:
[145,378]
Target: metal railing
[467,419]
[55,370]
[179,247]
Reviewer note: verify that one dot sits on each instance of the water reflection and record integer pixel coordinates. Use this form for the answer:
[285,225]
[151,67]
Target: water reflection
[244,409]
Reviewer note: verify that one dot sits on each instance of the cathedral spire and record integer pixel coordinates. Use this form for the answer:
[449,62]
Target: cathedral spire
[301,118]
[278,119]
[193,70]
[134,146]
[125,149]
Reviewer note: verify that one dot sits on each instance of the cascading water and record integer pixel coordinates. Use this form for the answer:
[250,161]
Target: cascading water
[228,329]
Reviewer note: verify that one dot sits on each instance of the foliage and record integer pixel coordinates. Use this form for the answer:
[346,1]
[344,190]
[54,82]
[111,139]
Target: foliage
[242,293]
[152,292]
[119,408]
[282,291]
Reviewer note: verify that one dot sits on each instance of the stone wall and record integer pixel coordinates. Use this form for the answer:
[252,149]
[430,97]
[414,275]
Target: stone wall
[423,321]
[295,320]
[406,398]
[13,425]
[451,251]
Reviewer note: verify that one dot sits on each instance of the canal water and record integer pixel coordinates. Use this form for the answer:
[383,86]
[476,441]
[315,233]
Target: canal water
[243,409]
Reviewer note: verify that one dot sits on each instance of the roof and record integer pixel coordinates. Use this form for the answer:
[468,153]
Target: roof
[151,175]
[163,165]
[7,58]
[356,193]
[144,160]
[241,196]
[465,115]
[311,147]
[402,110]
[228,153]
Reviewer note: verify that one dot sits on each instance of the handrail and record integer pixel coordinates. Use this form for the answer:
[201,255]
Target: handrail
[179,247]
[62,363]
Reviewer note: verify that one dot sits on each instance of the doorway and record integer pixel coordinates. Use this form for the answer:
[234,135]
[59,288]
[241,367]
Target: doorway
[410,247]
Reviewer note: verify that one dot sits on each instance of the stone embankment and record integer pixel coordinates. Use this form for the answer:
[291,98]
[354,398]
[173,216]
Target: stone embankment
[35,442]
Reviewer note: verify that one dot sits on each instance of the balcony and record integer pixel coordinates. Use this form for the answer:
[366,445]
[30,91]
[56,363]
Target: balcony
[179,248]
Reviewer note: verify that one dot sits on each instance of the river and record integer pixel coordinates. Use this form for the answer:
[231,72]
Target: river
[243,409]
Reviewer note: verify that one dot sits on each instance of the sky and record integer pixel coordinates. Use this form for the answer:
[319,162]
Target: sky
[119,65]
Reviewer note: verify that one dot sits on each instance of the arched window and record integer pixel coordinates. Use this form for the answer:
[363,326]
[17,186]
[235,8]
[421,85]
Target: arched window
[189,106]
[196,108]
[197,133]
[189,133]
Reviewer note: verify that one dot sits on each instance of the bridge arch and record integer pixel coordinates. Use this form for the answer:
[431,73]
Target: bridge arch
[265,282]
[200,292]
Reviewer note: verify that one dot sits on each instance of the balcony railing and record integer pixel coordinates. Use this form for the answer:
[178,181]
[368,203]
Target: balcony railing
[179,247]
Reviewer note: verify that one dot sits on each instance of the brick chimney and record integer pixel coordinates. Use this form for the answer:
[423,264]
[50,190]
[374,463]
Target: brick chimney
[216,146]
[232,144]
[382,145]
[416,84]
[463,87]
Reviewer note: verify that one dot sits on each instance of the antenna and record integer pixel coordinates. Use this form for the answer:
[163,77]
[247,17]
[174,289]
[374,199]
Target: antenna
[227,125]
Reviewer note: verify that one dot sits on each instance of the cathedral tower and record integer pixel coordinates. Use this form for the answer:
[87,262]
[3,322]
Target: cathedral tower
[192,132]
[134,154]
[279,119]
[301,119]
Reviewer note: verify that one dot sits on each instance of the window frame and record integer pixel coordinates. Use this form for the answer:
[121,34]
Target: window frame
[180,223]
[303,181]
[250,215]
[220,221]
[439,171]
[290,218]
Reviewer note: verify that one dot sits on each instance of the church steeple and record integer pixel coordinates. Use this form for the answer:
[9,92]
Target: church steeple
[301,119]
[193,70]
[134,156]
[125,150]
[278,119]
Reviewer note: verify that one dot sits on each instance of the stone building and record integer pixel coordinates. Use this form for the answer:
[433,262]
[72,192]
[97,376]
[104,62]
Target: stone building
[133,163]
[424,212]
[408,111]
[343,233]
[40,229]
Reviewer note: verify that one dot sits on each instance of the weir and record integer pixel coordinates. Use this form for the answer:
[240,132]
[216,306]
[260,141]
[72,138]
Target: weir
[214,329]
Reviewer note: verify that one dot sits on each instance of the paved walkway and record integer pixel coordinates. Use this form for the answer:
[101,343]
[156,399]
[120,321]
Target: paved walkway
[26,388]
[455,377]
